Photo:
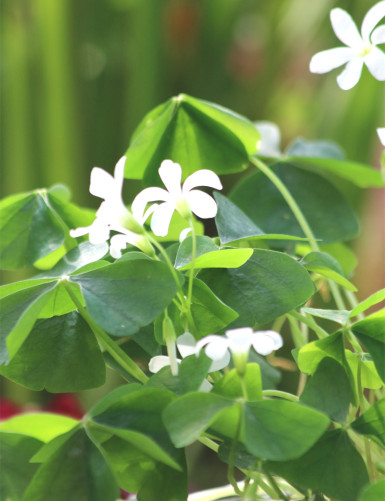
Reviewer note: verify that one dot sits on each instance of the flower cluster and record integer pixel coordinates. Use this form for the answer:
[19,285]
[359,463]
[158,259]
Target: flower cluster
[360,48]
[113,215]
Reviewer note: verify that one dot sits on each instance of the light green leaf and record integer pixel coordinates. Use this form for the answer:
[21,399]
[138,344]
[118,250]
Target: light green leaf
[367,303]
[225,258]
[280,430]
[230,385]
[203,246]
[373,492]
[196,134]
[60,355]
[324,264]
[339,316]
[43,426]
[267,286]
[369,375]
[372,423]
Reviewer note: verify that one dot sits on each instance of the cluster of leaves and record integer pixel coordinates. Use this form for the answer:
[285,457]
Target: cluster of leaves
[83,311]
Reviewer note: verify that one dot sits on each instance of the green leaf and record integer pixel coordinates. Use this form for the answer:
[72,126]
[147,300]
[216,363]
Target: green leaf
[328,390]
[315,149]
[372,423]
[60,355]
[164,484]
[310,356]
[203,246]
[339,316]
[30,230]
[192,372]
[324,264]
[42,426]
[136,418]
[127,295]
[189,416]
[332,466]
[371,333]
[230,385]
[75,470]
[369,375]
[343,254]
[16,471]
[196,134]
[267,286]
[367,303]
[327,212]
[225,258]
[19,312]
[233,225]
[373,492]
[280,430]
[210,314]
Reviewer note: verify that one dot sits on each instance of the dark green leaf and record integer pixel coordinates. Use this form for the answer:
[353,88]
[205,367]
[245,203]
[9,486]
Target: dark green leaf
[189,416]
[75,470]
[16,471]
[127,295]
[328,390]
[267,286]
[371,333]
[230,385]
[339,316]
[60,355]
[164,484]
[203,246]
[326,265]
[327,212]
[280,430]
[332,466]
[372,423]
[196,134]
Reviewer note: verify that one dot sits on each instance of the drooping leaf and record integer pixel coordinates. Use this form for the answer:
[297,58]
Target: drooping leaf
[332,466]
[280,430]
[371,333]
[60,355]
[327,212]
[372,423]
[326,265]
[16,471]
[328,390]
[75,470]
[196,134]
[190,415]
[126,295]
[267,286]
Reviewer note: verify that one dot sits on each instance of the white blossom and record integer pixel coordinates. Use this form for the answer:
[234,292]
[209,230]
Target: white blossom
[360,48]
[238,342]
[381,135]
[183,199]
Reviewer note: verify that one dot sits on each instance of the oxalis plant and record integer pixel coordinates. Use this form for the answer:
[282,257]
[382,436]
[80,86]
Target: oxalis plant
[197,299]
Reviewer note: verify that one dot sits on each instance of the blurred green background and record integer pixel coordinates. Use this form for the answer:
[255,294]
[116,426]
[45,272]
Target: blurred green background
[78,76]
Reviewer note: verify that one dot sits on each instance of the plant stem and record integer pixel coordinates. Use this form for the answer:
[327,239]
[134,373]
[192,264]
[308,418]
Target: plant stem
[230,469]
[362,403]
[310,323]
[193,256]
[113,349]
[280,394]
[275,486]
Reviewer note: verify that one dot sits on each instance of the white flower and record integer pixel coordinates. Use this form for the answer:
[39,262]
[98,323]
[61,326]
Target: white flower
[112,214]
[238,342]
[381,135]
[186,346]
[182,199]
[361,48]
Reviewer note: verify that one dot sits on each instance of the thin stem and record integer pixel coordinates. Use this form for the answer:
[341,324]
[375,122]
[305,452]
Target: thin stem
[362,403]
[310,323]
[209,443]
[275,486]
[280,394]
[230,469]
[113,349]
[296,332]
[193,256]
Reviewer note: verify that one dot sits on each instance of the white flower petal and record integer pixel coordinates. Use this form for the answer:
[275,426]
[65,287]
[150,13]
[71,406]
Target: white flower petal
[345,28]
[372,18]
[270,139]
[102,184]
[378,35]
[80,232]
[351,74]
[327,60]
[240,339]
[99,232]
[171,175]
[216,346]
[205,386]
[186,344]
[157,363]
[276,337]
[204,177]
[184,233]
[117,244]
[381,135]
[263,344]
[202,204]
[119,172]
[375,61]
[220,363]
[146,196]
[161,219]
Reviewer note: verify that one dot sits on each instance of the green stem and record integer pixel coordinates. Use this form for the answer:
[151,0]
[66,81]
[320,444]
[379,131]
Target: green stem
[362,403]
[275,486]
[298,338]
[230,469]
[280,394]
[193,256]
[209,443]
[113,349]
[310,323]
